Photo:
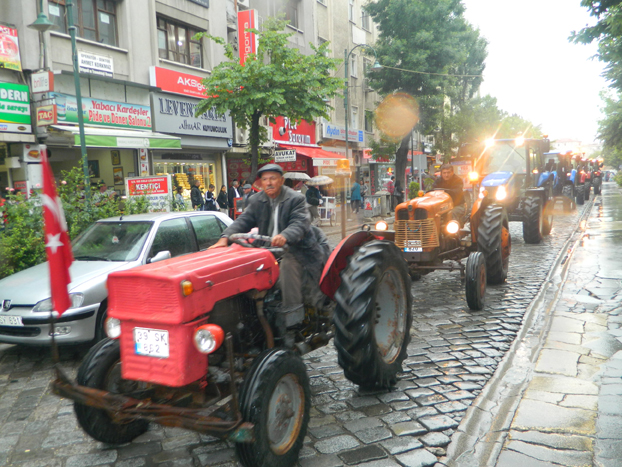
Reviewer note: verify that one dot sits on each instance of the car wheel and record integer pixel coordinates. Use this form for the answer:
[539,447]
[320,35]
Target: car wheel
[276,398]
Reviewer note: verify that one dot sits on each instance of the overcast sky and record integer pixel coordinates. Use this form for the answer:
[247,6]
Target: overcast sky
[534,71]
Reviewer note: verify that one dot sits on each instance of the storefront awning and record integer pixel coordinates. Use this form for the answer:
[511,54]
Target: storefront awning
[319,155]
[119,138]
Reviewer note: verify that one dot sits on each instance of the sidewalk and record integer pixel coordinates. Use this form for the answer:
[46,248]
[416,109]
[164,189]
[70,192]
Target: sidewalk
[353,223]
[557,399]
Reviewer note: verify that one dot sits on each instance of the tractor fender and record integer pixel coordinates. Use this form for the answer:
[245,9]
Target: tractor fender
[338,259]
[539,192]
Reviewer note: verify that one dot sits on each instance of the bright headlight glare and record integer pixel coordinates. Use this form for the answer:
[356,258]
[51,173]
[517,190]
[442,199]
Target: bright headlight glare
[76,300]
[208,338]
[501,193]
[112,327]
[382,225]
[519,141]
[482,192]
[473,176]
[490,142]
[452,227]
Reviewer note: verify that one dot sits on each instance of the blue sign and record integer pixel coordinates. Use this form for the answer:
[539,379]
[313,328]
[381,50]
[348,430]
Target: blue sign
[338,132]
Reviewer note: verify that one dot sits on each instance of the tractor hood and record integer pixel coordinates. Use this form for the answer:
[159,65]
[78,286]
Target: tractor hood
[496,179]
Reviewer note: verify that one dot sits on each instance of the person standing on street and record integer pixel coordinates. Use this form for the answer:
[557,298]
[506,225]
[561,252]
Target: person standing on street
[399,193]
[391,190]
[196,196]
[364,191]
[179,199]
[233,194]
[314,199]
[247,193]
[210,200]
[223,200]
[355,197]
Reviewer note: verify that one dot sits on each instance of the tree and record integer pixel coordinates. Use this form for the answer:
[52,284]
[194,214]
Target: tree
[432,38]
[276,81]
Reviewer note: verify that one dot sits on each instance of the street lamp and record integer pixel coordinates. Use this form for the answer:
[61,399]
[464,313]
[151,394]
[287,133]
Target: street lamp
[377,66]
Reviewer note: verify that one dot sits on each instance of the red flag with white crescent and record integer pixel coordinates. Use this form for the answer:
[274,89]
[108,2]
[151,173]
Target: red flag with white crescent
[57,244]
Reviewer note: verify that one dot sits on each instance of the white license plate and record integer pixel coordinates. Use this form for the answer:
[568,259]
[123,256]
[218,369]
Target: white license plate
[151,342]
[413,250]
[413,246]
[11,321]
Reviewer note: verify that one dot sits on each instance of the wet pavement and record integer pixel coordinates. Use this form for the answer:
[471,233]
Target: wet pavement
[452,357]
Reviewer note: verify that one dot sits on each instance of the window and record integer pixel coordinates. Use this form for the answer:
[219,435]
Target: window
[354,117]
[353,66]
[291,13]
[351,11]
[366,22]
[369,121]
[173,235]
[175,43]
[208,230]
[323,2]
[95,19]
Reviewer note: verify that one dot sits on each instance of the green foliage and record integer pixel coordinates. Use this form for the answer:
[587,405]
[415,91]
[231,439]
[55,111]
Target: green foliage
[276,81]
[21,242]
[618,178]
[413,190]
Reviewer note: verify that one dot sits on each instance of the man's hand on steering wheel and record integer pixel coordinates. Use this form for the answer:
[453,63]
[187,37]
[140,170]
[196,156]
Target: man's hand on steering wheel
[278,241]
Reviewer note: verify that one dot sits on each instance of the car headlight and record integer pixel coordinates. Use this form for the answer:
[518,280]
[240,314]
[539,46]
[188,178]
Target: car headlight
[76,300]
[452,227]
[501,193]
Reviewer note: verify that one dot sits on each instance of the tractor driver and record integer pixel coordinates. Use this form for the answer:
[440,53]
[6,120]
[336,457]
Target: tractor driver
[281,213]
[453,186]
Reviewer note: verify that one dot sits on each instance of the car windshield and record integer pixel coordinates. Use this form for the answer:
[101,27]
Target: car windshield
[111,241]
[505,157]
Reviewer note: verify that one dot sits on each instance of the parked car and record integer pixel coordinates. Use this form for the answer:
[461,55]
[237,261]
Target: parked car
[113,244]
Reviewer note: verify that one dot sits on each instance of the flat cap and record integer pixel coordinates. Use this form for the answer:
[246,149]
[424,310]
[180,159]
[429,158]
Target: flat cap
[270,168]
[248,186]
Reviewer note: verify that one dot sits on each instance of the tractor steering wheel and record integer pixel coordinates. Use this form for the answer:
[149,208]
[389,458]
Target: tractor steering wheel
[259,241]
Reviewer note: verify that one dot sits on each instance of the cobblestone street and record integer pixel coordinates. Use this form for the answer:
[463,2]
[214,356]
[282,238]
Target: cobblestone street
[452,354]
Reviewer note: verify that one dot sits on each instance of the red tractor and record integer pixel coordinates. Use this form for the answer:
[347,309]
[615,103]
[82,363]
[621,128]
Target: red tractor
[201,342]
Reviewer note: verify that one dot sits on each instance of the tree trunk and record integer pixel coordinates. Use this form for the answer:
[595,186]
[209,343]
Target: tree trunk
[254,140]
[401,160]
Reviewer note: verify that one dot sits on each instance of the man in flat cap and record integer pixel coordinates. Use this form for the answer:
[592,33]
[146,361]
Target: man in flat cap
[281,213]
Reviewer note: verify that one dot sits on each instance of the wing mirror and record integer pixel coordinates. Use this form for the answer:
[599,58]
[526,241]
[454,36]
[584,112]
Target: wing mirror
[160,256]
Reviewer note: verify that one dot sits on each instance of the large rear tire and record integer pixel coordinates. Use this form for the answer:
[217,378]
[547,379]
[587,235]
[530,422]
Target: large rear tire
[101,369]
[547,216]
[476,280]
[588,189]
[275,397]
[533,223]
[495,242]
[373,315]
[568,198]
[581,195]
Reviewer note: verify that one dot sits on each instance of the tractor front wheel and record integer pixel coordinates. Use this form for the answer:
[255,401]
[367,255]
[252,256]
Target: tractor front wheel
[588,189]
[476,280]
[533,224]
[373,315]
[581,195]
[495,242]
[275,397]
[101,369]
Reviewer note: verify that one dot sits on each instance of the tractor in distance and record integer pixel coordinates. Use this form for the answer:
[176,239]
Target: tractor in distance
[565,177]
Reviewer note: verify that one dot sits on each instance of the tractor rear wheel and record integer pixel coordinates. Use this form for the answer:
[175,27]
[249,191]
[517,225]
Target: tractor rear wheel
[476,280]
[276,398]
[373,315]
[101,369]
[547,216]
[588,189]
[581,195]
[495,242]
[567,194]
[533,223]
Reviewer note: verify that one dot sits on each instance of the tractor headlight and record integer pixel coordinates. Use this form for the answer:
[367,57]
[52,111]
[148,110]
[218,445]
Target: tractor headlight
[208,338]
[113,328]
[452,227]
[382,225]
[483,192]
[501,193]
[473,176]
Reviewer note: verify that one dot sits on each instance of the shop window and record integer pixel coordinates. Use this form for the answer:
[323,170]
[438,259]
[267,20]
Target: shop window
[176,43]
[95,20]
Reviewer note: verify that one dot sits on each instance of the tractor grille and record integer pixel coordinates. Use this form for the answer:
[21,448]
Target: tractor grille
[420,214]
[402,215]
[424,231]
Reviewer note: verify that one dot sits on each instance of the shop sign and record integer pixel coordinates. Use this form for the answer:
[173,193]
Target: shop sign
[102,113]
[42,82]
[9,48]
[247,41]
[176,82]
[156,189]
[325,162]
[285,156]
[175,114]
[144,162]
[289,131]
[32,152]
[15,108]
[338,132]
[95,64]
[46,115]
[22,186]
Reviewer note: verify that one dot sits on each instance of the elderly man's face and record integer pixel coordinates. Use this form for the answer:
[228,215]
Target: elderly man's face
[446,174]
[271,183]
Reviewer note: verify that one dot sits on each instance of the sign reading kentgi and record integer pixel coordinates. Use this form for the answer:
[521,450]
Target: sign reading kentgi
[175,114]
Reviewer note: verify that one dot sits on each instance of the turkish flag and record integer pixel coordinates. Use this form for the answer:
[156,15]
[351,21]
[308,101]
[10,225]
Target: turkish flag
[57,244]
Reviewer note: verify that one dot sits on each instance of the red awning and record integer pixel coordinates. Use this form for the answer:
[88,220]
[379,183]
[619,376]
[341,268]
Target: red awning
[314,153]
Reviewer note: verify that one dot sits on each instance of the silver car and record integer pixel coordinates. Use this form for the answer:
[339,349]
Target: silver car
[109,245]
